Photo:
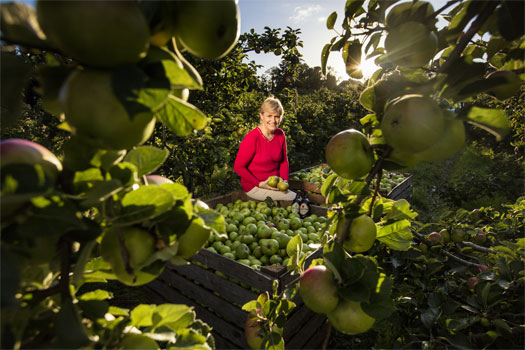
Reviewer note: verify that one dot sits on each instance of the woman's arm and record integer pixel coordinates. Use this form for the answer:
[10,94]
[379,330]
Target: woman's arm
[284,167]
[243,159]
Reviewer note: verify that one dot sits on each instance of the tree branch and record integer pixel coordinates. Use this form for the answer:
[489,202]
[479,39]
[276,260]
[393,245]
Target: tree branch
[477,247]
[423,239]
[465,39]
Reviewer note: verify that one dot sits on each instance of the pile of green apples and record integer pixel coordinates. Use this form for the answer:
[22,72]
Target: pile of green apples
[390,180]
[258,233]
[314,175]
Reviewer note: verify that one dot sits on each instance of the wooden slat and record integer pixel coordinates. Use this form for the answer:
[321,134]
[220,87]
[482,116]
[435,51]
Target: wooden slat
[228,311]
[234,269]
[402,190]
[220,326]
[310,329]
[228,290]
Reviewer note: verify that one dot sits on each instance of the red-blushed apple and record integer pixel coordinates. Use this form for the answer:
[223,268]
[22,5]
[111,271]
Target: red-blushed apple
[435,237]
[481,268]
[472,282]
[349,318]
[157,180]
[252,330]
[20,151]
[479,238]
[318,289]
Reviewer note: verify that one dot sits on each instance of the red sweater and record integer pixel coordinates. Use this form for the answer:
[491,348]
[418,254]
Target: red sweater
[258,158]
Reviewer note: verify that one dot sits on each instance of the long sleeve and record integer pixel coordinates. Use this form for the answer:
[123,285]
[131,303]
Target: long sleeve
[284,167]
[243,159]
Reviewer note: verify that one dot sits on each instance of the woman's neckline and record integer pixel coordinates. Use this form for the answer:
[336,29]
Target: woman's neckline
[265,137]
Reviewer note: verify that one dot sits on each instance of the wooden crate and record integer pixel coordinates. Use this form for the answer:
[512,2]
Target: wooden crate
[401,191]
[218,298]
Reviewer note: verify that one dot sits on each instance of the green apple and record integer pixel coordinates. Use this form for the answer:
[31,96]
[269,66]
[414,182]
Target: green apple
[411,44]
[362,233]
[100,33]
[349,155]
[273,181]
[269,246]
[295,223]
[193,239]
[349,318]
[412,123]
[275,260]
[242,251]
[207,29]
[284,224]
[283,186]
[264,231]
[452,140]
[139,246]
[102,117]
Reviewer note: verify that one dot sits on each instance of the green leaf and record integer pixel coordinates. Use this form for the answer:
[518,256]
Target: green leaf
[367,98]
[334,257]
[100,192]
[173,316]
[392,228]
[124,172]
[331,20]
[190,339]
[213,220]
[141,315]
[294,245]
[352,8]
[147,159]
[250,306]
[146,202]
[324,57]
[137,92]
[352,270]
[429,316]
[400,210]
[181,117]
[69,330]
[373,41]
[98,294]
[166,64]
[327,184]
[19,24]
[396,239]
[494,121]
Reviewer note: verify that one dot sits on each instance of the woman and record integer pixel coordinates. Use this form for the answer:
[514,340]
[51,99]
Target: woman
[262,153]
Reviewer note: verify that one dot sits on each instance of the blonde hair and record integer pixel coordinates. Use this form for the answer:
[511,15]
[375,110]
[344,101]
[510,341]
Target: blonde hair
[274,104]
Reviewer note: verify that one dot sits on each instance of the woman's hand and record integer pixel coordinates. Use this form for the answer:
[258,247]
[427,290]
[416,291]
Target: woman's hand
[264,184]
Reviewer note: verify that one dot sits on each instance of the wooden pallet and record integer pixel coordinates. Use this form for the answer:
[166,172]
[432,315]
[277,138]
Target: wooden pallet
[217,287]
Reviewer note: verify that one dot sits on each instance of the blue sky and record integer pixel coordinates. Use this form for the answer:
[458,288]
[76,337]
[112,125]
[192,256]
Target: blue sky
[308,15]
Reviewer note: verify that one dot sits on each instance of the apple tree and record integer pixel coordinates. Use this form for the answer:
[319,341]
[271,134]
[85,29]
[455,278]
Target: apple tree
[418,101]
[95,212]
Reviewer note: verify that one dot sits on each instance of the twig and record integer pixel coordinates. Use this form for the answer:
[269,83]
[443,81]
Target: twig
[444,7]
[444,251]
[477,247]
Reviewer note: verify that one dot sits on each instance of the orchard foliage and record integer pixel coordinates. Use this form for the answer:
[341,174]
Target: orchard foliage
[91,215]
